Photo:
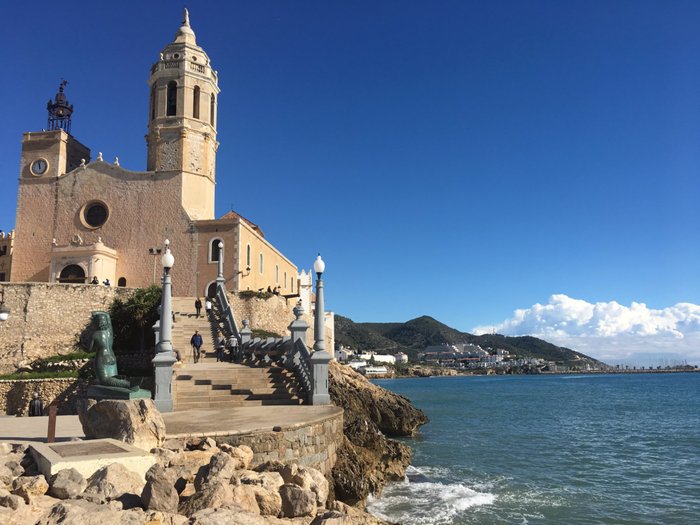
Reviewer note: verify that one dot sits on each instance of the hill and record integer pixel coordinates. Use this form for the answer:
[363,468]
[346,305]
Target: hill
[413,336]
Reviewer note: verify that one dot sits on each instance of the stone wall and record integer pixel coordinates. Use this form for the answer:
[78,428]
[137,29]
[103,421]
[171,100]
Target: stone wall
[16,394]
[312,445]
[47,319]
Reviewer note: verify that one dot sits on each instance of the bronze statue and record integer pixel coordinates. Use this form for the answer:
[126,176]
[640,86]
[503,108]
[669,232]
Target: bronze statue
[110,385]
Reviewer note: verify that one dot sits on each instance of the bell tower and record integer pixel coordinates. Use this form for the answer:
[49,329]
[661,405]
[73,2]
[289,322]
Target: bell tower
[182,120]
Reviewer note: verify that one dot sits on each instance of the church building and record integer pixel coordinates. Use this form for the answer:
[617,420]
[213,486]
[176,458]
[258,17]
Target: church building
[80,218]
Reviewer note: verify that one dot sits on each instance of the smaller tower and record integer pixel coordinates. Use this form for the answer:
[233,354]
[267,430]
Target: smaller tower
[60,110]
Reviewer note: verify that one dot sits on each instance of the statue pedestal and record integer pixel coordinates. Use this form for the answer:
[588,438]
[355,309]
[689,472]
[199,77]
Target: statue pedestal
[100,392]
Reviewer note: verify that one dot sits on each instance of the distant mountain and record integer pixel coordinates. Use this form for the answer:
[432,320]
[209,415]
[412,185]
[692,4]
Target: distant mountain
[415,335]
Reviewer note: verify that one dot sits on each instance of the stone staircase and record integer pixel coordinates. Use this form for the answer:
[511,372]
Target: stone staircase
[210,384]
[186,322]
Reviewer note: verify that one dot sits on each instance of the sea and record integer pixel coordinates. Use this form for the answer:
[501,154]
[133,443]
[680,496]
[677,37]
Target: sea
[551,449]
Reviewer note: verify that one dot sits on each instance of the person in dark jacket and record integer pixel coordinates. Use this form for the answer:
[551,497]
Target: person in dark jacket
[198,306]
[196,342]
[36,406]
[220,347]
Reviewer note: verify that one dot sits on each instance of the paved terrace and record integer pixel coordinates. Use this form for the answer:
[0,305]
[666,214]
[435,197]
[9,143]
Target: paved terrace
[209,422]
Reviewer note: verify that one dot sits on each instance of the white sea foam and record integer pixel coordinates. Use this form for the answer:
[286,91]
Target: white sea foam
[429,503]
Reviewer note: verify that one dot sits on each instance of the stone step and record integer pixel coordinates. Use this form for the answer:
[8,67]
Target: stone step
[188,405]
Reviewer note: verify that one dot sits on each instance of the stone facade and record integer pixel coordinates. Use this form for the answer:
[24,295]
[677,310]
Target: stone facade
[16,394]
[78,219]
[312,445]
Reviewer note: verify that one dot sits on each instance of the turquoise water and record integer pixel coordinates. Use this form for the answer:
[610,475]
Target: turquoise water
[583,449]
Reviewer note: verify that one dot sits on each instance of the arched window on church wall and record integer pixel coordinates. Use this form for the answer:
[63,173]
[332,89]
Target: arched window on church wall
[195,103]
[212,111]
[121,282]
[214,251]
[171,110]
[153,101]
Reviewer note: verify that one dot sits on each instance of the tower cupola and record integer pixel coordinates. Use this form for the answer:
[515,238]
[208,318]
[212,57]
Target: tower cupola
[60,110]
[182,119]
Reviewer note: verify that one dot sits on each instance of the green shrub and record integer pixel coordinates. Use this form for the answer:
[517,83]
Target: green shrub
[264,334]
[133,318]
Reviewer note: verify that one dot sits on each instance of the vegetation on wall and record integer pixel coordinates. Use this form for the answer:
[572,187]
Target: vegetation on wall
[133,318]
[250,294]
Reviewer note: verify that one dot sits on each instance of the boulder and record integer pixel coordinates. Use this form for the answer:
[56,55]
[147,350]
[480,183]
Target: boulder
[14,466]
[226,516]
[160,493]
[243,455]
[5,448]
[67,483]
[11,501]
[174,444]
[28,487]
[309,479]
[332,517]
[115,482]
[221,466]
[6,476]
[192,461]
[265,486]
[163,456]
[216,494]
[81,512]
[297,502]
[135,421]
[244,497]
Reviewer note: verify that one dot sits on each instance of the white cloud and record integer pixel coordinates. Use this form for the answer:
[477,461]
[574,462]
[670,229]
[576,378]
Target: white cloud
[610,331]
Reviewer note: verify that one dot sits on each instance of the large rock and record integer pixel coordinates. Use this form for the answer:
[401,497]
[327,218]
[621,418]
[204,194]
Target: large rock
[308,479]
[244,497]
[221,466]
[28,487]
[216,494]
[160,493]
[6,476]
[81,512]
[115,482]
[136,421]
[242,454]
[67,483]
[228,516]
[265,486]
[297,502]
[11,501]
[191,461]
[367,460]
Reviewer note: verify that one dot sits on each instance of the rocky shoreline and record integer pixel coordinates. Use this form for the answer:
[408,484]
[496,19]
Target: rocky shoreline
[198,481]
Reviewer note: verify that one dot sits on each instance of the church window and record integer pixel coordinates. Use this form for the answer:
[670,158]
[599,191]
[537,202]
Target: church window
[153,102]
[285,280]
[121,282]
[195,103]
[247,256]
[95,214]
[212,111]
[214,250]
[261,263]
[2,276]
[277,274]
[172,99]
[291,284]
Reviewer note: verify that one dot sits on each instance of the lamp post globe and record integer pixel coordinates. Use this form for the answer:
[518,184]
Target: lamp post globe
[319,265]
[167,260]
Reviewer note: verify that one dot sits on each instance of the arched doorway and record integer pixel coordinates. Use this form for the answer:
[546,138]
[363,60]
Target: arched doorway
[73,274]
[211,290]
[121,282]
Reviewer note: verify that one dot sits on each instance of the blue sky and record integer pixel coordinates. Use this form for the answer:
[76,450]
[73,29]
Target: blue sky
[456,159]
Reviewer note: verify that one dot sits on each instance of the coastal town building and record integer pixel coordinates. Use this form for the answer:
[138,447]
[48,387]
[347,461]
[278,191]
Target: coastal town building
[81,218]
[7,241]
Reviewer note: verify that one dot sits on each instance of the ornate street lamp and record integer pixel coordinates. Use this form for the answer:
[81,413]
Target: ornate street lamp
[164,359]
[320,358]
[4,310]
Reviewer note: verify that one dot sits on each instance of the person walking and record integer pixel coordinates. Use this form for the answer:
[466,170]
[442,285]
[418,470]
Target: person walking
[196,342]
[220,347]
[233,349]
[198,306]
[207,307]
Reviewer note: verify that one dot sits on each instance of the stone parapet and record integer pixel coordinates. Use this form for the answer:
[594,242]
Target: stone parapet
[16,394]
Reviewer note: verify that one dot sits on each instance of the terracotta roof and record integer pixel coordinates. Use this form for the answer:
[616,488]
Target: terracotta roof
[233,215]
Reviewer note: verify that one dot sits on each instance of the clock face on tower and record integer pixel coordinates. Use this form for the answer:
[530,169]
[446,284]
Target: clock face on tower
[39,167]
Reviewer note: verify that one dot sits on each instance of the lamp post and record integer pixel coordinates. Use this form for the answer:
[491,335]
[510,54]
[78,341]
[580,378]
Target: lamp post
[4,310]
[164,359]
[320,358]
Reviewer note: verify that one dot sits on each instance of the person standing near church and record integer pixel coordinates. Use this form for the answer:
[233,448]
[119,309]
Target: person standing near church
[220,347]
[36,406]
[198,306]
[196,342]
[207,307]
